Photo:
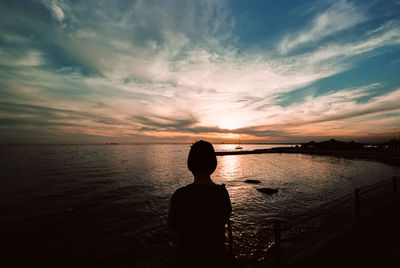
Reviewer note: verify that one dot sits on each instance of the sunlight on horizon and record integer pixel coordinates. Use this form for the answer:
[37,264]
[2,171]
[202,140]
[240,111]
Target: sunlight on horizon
[147,73]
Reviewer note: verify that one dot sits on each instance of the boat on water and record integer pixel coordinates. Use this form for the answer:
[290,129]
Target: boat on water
[238,147]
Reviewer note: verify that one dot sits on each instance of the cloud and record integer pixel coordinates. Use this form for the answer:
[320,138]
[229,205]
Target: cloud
[340,16]
[337,113]
[152,70]
[166,123]
[11,57]
[386,35]
[54,7]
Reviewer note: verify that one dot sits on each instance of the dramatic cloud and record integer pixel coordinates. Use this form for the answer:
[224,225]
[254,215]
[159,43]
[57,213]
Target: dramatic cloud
[147,71]
[56,10]
[340,16]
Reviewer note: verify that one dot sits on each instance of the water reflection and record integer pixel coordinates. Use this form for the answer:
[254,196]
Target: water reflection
[225,147]
[228,167]
[232,147]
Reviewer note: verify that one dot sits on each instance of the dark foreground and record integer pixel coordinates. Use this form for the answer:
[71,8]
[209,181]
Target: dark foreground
[373,242]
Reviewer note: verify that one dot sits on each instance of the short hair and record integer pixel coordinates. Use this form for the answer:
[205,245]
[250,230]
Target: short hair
[201,158]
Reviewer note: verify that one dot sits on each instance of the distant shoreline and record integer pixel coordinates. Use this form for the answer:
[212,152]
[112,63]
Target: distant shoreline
[151,143]
[382,157]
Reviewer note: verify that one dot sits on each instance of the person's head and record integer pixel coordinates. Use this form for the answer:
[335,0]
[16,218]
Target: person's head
[202,159]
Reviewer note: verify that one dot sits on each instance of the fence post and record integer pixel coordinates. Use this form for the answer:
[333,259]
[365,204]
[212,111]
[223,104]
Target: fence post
[357,202]
[394,186]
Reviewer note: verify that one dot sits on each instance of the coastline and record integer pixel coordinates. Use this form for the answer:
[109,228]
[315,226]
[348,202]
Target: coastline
[383,157]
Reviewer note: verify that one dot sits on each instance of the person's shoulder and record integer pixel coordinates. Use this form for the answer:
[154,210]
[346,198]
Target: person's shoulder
[181,191]
[207,187]
[222,187]
[218,188]
[192,188]
[223,190]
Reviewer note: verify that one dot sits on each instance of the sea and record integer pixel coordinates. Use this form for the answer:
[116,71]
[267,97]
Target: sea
[106,205]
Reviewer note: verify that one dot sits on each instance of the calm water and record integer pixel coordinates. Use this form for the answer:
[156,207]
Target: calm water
[106,205]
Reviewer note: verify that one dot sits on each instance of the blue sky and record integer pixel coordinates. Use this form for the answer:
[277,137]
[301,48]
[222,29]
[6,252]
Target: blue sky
[177,71]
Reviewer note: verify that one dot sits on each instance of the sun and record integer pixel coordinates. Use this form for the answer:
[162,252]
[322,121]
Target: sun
[228,124]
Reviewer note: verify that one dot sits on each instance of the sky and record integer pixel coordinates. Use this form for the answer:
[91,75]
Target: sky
[177,71]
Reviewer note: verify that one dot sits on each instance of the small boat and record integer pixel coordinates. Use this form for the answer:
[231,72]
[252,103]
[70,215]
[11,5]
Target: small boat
[239,147]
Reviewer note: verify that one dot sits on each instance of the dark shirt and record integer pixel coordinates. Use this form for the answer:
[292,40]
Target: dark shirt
[198,214]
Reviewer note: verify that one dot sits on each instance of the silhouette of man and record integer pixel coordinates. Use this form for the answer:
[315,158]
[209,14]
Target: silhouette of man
[198,213]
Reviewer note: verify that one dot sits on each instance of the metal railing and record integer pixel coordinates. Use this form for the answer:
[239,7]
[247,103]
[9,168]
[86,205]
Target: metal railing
[288,239]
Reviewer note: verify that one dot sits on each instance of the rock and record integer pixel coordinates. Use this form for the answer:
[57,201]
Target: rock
[252,181]
[267,190]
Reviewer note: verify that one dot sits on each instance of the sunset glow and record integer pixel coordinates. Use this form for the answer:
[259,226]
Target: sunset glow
[175,71]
